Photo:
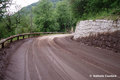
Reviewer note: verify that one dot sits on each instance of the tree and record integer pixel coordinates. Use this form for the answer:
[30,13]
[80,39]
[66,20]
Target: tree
[64,15]
[45,16]
[78,7]
[3,5]
[4,28]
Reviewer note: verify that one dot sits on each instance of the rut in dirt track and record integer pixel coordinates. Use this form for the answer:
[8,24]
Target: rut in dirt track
[58,57]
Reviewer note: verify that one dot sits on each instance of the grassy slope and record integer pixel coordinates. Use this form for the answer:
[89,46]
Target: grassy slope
[113,14]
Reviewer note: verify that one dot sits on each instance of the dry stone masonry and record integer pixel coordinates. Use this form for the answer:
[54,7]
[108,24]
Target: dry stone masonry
[92,27]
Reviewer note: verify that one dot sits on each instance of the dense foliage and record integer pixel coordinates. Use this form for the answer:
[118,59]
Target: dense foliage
[5,25]
[93,9]
[45,17]
[53,18]
[3,6]
[64,16]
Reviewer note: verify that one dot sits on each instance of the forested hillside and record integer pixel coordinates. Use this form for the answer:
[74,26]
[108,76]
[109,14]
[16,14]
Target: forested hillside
[95,9]
[55,15]
[27,10]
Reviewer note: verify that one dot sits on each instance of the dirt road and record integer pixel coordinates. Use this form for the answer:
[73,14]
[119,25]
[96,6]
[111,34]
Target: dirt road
[58,57]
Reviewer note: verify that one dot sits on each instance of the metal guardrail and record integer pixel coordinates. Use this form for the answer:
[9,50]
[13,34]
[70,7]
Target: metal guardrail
[10,39]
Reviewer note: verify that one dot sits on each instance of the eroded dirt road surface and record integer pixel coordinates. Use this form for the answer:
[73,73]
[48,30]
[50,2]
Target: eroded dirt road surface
[58,57]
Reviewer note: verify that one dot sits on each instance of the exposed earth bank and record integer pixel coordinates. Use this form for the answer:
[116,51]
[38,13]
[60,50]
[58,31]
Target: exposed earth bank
[106,40]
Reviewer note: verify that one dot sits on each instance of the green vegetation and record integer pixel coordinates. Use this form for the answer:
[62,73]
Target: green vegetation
[45,17]
[55,15]
[3,6]
[48,17]
[5,23]
[64,16]
[95,9]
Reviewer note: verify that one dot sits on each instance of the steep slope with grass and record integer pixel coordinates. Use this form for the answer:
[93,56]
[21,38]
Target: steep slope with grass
[95,9]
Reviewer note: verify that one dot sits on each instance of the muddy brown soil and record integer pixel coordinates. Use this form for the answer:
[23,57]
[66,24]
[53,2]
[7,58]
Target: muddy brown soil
[58,57]
[5,55]
[110,41]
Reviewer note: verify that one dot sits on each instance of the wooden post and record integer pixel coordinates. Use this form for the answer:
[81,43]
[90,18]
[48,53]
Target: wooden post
[11,40]
[28,35]
[17,37]
[3,45]
[23,37]
[34,35]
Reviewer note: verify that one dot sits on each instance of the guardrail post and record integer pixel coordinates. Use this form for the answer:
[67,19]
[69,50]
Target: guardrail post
[3,45]
[11,40]
[23,37]
[28,36]
[33,35]
[17,37]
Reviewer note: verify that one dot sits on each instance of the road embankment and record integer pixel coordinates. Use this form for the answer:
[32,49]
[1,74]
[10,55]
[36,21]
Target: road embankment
[106,40]
[99,33]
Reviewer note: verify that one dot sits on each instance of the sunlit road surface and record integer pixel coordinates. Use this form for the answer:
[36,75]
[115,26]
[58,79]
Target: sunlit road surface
[58,57]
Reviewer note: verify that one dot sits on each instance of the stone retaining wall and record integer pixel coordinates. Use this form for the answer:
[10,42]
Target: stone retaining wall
[92,27]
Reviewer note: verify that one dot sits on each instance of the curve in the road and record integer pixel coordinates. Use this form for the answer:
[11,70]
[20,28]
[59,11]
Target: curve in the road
[58,57]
